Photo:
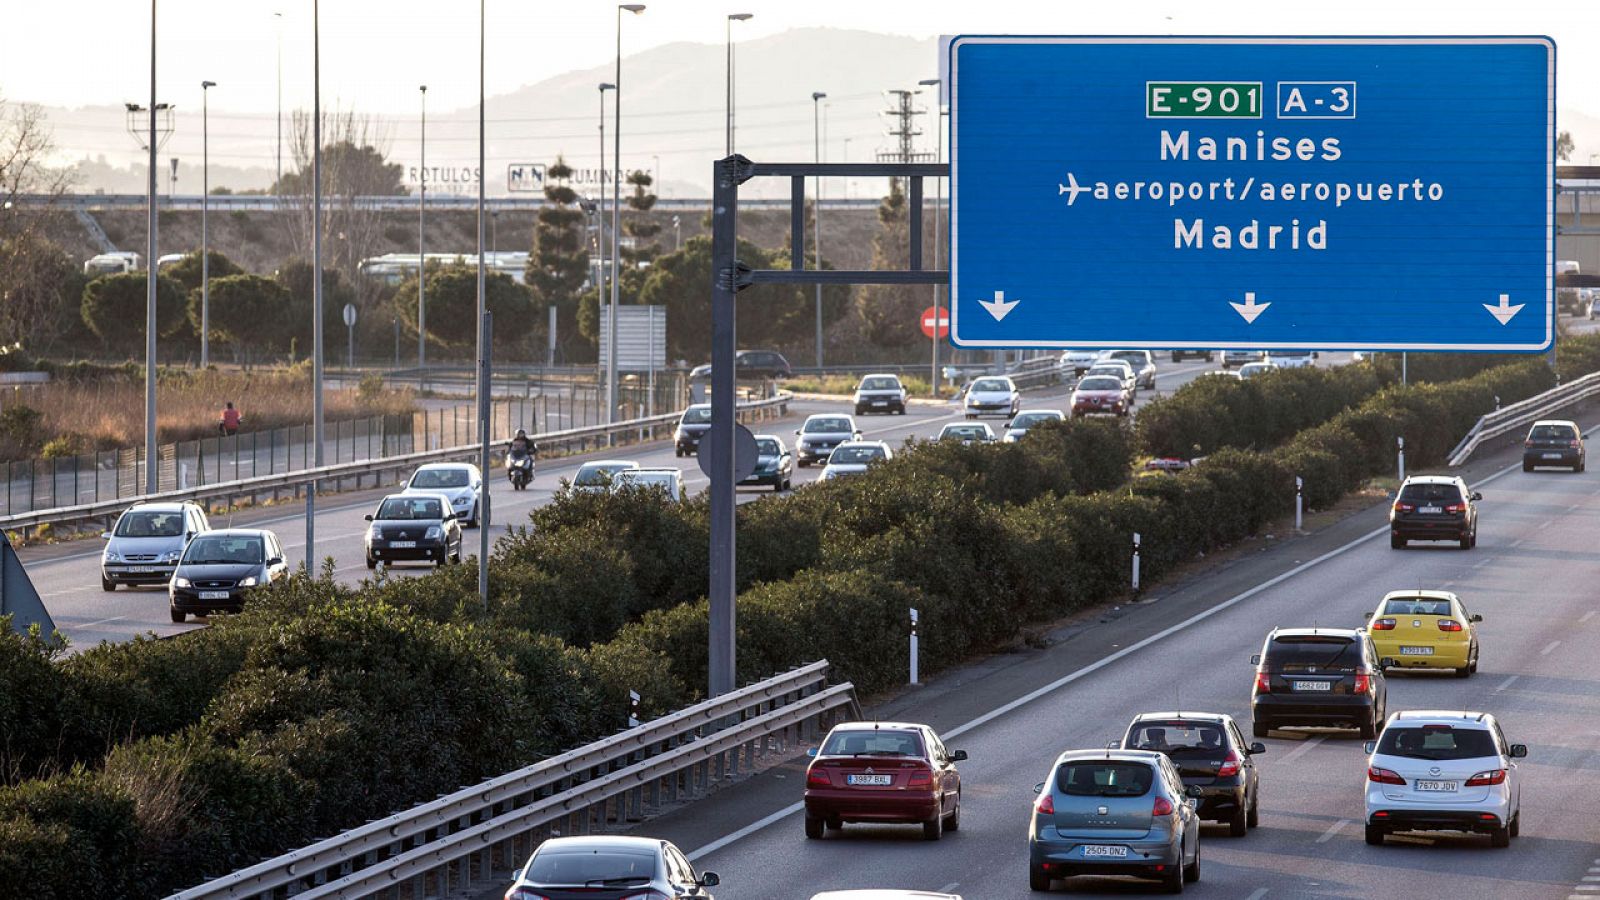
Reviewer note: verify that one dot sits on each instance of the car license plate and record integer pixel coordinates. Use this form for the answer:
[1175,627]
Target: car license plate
[1441,787]
[1313,686]
[1430,509]
[877,780]
[880,403]
[1102,850]
[1550,456]
[213,595]
[140,569]
[1416,651]
[403,545]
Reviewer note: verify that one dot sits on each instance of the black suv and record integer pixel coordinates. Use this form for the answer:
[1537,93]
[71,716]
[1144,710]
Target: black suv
[1434,508]
[1179,354]
[1210,753]
[752,364]
[1328,677]
[1553,443]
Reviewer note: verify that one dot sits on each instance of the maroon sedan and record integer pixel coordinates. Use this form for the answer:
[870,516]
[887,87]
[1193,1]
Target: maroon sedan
[1101,394]
[888,772]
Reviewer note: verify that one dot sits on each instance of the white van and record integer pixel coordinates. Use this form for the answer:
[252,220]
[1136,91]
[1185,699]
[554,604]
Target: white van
[1291,359]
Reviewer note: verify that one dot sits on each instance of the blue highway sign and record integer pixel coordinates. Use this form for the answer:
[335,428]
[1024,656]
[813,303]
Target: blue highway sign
[1257,193]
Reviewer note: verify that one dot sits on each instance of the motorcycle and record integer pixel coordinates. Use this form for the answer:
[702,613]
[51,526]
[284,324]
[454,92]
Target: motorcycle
[519,468]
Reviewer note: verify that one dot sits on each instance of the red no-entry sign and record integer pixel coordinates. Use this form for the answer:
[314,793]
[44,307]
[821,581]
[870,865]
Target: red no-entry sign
[935,316]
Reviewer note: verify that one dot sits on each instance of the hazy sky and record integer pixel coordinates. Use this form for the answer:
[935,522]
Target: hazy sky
[376,52]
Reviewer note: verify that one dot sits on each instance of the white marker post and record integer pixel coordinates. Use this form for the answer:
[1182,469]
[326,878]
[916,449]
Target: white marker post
[1299,501]
[1136,562]
[914,645]
[633,709]
[1402,448]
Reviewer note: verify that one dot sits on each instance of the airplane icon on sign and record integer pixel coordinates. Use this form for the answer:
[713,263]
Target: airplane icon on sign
[1071,188]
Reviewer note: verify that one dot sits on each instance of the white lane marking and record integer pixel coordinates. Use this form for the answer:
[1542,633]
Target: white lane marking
[1583,618]
[1542,525]
[1548,647]
[1332,830]
[104,621]
[1070,677]
[1516,543]
[1507,683]
[1257,894]
[944,890]
[1304,747]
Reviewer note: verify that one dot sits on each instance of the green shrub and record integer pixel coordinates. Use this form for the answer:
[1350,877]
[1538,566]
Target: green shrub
[31,689]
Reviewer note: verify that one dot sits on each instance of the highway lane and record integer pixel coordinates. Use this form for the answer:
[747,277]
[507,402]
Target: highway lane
[68,582]
[1530,577]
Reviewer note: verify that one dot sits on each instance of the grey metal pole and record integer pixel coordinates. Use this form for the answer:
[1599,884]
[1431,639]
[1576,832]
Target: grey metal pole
[279,17]
[316,279]
[616,224]
[816,204]
[422,258]
[205,250]
[150,470]
[484,325]
[602,297]
[724,250]
[938,204]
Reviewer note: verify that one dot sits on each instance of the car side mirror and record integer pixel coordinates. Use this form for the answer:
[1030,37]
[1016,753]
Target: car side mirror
[1038,787]
[1386,662]
[368,517]
[1477,496]
[275,561]
[1519,751]
[1008,424]
[105,535]
[1113,745]
[1475,618]
[1255,660]
[1369,747]
[1194,790]
[188,536]
[797,431]
[958,755]
[811,752]
[709,879]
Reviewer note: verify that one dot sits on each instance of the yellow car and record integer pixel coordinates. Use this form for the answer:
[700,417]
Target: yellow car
[1425,630]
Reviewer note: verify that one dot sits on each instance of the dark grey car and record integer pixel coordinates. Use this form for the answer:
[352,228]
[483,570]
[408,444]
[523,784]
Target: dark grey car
[604,867]
[219,569]
[1211,754]
[1114,812]
[692,426]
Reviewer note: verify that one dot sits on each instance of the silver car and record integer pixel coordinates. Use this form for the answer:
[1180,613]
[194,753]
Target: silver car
[1444,771]
[993,395]
[1142,363]
[460,482]
[820,434]
[144,546]
[1114,812]
[595,477]
[1027,419]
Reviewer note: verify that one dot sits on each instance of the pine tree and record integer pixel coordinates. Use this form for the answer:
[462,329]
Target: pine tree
[559,263]
[889,311]
[640,227]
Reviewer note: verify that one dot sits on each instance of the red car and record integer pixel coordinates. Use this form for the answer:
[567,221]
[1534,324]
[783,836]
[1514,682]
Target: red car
[1101,394]
[883,772]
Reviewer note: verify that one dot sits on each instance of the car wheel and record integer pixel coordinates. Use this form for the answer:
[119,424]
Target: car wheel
[953,821]
[813,828]
[1527,466]
[1516,824]
[1172,879]
[1579,467]
[1254,818]
[178,615]
[777,485]
[107,584]
[472,521]
[1464,671]
[1259,729]
[1191,872]
[1038,879]
[1176,357]
[1466,541]
[372,563]
[1396,542]
[802,464]
[1375,835]
[1500,838]
[1472,666]
[1369,728]
[1239,823]
[933,829]
[678,451]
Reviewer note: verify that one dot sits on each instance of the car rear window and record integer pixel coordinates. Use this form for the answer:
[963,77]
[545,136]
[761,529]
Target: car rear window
[1325,652]
[876,742]
[880,384]
[578,867]
[1416,606]
[1552,433]
[1104,779]
[1429,493]
[697,415]
[1437,742]
[1178,738]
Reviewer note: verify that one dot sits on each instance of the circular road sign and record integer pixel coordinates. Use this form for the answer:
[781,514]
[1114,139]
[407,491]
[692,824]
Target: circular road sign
[350,315]
[936,314]
[744,452]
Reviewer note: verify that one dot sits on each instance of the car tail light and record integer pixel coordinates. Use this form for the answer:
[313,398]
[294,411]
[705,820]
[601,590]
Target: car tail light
[1363,682]
[1574,444]
[1383,625]
[1484,779]
[1404,507]
[1449,625]
[1383,776]
[1528,442]
[1456,508]
[1229,767]
[818,777]
[517,893]
[920,778]
[1044,805]
[647,895]
[1163,807]
[1263,683]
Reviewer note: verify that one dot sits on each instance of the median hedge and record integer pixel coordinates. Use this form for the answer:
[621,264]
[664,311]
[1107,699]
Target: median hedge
[141,767]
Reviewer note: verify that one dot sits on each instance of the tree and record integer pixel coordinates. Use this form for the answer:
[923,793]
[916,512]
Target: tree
[890,310]
[296,278]
[186,272]
[640,227]
[1564,146]
[114,309]
[250,313]
[558,266]
[453,307]
[41,291]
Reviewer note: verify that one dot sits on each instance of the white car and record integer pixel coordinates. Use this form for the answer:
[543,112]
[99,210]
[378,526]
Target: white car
[880,393]
[1251,370]
[992,395]
[667,479]
[967,432]
[1028,418]
[1291,359]
[1443,771]
[460,482]
[853,458]
[594,477]
[1076,362]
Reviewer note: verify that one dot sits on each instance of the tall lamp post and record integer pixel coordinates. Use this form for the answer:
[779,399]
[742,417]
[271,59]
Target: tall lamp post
[422,258]
[602,370]
[816,204]
[616,223]
[279,17]
[732,18]
[938,203]
[316,278]
[205,247]
[484,323]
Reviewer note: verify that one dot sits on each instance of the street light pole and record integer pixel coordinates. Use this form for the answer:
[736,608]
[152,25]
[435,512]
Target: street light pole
[483,323]
[616,223]
[150,471]
[732,18]
[938,197]
[205,248]
[816,204]
[316,279]
[279,17]
[422,253]
[601,296]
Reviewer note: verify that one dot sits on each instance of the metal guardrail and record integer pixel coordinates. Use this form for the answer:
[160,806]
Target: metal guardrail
[641,429]
[443,845]
[1524,412]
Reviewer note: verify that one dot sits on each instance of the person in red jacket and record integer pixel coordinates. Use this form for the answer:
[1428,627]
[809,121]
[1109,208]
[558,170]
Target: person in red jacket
[230,420]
